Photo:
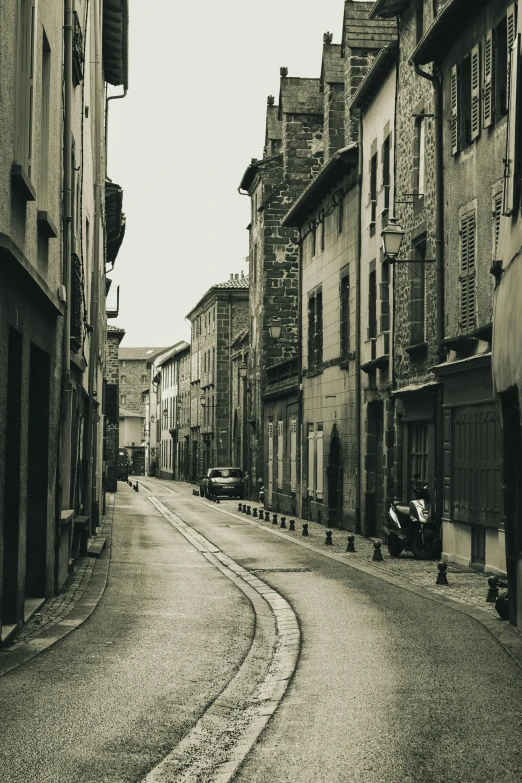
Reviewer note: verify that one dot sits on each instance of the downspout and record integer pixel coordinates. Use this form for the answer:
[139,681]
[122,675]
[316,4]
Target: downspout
[358,423]
[94,315]
[299,374]
[111,98]
[66,412]
[439,257]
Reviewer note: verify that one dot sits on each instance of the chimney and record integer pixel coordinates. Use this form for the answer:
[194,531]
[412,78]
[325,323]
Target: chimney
[231,276]
[237,276]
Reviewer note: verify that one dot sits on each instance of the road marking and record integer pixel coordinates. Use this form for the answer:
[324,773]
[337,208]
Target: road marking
[218,744]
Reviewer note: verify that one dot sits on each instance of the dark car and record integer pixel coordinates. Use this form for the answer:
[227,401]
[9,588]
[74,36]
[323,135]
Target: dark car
[223,481]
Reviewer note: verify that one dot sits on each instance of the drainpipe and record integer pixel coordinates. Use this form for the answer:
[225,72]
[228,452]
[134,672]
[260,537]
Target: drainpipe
[299,374]
[358,330]
[111,98]
[439,256]
[66,412]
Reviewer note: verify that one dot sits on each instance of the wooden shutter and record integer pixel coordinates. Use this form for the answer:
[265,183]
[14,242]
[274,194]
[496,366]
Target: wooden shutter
[454,89]
[475,91]
[487,87]
[319,330]
[510,34]
[467,274]
[311,462]
[270,461]
[497,212]
[293,455]
[511,185]
[280,449]
[319,465]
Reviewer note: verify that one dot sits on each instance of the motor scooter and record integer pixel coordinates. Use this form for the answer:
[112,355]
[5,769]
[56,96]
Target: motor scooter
[411,525]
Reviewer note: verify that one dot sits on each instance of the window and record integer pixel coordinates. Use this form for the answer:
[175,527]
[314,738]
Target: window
[311,460]
[418,450]
[314,239]
[323,229]
[467,273]
[123,379]
[340,213]
[315,331]
[419,144]
[280,449]
[385,297]
[25,85]
[497,212]
[122,399]
[319,463]
[372,304]
[417,293]
[344,287]
[501,70]
[465,103]
[386,182]
[270,461]
[123,364]
[373,190]
[43,176]
[144,377]
[293,455]
[254,264]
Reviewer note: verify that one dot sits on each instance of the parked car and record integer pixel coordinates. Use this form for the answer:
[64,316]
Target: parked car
[223,481]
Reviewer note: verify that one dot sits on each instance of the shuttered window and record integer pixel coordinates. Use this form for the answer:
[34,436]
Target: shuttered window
[487,89]
[497,212]
[293,455]
[311,460]
[475,92]
[315,331]
[270,461]
[344,291]
[319,464]
[467,273]
[454,96]
[280,450]
[25,85]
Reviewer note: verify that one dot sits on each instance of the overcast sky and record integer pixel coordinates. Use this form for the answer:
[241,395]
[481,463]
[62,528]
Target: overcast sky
[194,116]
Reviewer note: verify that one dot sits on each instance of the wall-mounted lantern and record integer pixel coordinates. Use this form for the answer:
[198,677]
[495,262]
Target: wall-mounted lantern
[392,237]
[275,330]
[243,370]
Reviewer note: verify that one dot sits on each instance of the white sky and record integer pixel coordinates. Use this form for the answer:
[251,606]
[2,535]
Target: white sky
[194,116]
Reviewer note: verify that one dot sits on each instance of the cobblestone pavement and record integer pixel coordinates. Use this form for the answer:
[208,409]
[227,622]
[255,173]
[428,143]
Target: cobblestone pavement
[466,585]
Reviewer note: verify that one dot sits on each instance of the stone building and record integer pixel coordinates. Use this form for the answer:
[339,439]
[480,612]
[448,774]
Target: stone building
[135,381]
[220,315]
[472,58]
[373,105]
[507,346]
[111,406]
[172,383]
[52,290]
[241,406]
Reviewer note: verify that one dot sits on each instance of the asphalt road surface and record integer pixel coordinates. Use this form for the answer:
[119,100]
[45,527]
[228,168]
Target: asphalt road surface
[388,686]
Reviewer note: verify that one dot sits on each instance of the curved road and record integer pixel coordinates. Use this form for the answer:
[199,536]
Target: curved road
[389,687]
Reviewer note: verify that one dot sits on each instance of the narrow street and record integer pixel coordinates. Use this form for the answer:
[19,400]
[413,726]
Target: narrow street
[384,685]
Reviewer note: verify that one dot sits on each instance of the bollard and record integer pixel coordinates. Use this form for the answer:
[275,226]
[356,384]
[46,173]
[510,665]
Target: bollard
[254,512]
[292,526]
[283,522]
[248,511]
[305,529]
[218,500]
[442,578]
[267,516]
[328,540]
[274,519]
[137,487]
[377,554]
[493,589]
[351,544]
[240,507]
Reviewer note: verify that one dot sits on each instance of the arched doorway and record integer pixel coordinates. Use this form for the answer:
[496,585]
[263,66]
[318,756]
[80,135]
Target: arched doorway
[335,483]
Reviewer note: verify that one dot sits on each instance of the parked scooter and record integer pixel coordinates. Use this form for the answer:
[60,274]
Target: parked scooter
[411,525]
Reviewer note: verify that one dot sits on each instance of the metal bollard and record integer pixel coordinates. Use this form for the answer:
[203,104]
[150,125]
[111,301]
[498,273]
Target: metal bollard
[137,487]
[328,540]
[493,589]
[377,554]
[267,516]
[218,500]
[442,578]
[292,526]
[248,511]
[351,544]
[274,519]
[240,507]
[254,512]
[305,529]
[283,522]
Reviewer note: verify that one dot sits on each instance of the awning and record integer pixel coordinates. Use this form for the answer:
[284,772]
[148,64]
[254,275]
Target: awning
[416,387]
[114,220]
[115,42]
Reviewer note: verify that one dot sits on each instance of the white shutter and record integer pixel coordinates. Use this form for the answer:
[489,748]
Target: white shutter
[270,461]
[487,87]
[311,462]
[511,143]
[497,212]
[293,455]
[280,448]
[319,461]
[475,91]
[454,89]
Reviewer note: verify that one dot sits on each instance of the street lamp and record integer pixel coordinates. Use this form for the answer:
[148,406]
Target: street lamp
[243,370]
[275,330]
[392,237]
